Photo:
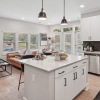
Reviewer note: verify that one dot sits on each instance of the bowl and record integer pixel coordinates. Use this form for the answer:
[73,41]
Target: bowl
[63,57]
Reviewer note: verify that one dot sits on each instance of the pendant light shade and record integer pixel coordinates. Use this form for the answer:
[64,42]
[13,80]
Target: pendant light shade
[64,21]
[42,14]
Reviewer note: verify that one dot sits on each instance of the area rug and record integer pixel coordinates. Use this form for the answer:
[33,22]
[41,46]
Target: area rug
[97,96]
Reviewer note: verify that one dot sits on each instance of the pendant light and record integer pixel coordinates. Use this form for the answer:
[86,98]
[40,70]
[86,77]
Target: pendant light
[64,21]
[42,14]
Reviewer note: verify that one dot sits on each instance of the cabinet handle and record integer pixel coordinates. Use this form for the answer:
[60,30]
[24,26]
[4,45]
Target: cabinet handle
[74,76]
[83,71]
[84,62]
[65,81]
[61,72]
[75,67]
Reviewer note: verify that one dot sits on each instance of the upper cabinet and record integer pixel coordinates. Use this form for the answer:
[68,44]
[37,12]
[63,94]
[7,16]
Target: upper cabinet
[85,29]
[95,28]
[90,28]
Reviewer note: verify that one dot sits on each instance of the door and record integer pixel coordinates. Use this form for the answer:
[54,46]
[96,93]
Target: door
[57,41]
[86,29]
[95,28]
[77,81]
[84,75]
[69,86]
[64,87]
[60,90]
[78,43]
[68,42]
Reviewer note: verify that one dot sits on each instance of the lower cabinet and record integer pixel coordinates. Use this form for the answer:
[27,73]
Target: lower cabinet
[63,87]
[71,84]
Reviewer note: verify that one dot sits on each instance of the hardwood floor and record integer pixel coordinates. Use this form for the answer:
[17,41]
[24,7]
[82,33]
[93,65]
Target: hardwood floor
[9,87]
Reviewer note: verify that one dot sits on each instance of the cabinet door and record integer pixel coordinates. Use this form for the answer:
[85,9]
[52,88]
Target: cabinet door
[60,88]
[95,28]
[69,86]
[85,29]
[84,77]
[64,87]
[77,82]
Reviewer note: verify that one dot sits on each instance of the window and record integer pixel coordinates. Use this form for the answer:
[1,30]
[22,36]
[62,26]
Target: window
[57,42]
[33,41]
[78,42]
[22,41]
[68,43]
[8,41]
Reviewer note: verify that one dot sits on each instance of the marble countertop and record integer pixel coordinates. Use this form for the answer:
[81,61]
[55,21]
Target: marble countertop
[94,52]
[49,64]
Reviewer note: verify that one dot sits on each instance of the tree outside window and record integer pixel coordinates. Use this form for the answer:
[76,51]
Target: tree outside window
[22,41]
[33,41]
[8,41]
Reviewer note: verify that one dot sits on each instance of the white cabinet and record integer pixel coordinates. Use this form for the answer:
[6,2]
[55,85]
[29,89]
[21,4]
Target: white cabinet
[90,28]
[95,28]
[60,90]
[63,87]
[85,29]
[72,83]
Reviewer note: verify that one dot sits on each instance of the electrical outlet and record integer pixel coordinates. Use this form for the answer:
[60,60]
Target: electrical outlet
[33,77]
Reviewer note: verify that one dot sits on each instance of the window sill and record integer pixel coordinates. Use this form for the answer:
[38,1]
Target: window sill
[4,53]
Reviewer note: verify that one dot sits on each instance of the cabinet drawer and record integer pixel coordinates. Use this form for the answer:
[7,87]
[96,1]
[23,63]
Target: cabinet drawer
[60,72]
[84,62]
[75,66]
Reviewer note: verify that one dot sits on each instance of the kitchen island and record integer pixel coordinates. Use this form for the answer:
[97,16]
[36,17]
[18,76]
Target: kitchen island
[55,80]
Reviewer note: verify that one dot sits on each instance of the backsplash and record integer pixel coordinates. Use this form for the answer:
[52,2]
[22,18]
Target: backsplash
[95,44]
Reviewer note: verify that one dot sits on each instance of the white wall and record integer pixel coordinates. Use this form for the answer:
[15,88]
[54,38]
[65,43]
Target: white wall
[9,25]
[94,13]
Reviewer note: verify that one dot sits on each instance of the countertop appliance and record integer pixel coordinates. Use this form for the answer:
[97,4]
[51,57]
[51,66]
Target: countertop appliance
[94,62]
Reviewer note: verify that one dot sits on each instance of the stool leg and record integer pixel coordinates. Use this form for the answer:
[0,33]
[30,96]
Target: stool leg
[20,80]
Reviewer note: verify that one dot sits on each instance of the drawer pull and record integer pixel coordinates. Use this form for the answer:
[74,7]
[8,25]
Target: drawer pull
[75,67]
[65,81]
[83,72]
[74,76]
[61,72]
[84,62]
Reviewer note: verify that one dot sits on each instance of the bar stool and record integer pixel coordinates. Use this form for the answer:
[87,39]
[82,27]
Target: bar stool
[22,68]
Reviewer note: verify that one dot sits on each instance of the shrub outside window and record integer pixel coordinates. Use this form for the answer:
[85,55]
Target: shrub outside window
[8,41]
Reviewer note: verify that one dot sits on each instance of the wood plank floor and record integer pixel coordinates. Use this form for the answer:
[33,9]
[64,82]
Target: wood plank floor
[9,87]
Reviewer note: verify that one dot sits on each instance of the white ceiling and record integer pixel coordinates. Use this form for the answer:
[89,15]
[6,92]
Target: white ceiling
[29,9]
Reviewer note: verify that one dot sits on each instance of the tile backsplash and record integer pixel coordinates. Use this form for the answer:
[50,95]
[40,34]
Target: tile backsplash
[95,44]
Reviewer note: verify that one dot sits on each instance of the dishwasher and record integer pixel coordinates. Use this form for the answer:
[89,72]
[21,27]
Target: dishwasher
[94,64]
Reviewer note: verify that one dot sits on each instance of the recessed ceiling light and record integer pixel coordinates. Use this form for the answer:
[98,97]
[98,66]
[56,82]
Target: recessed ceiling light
[23,18]
[82,6]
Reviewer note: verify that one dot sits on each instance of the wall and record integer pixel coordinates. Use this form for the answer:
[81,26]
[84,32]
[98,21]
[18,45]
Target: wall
[9,25]
[70,24]
[94,13]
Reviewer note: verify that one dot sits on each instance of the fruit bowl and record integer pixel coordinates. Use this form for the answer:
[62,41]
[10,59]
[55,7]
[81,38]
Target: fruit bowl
[63,56]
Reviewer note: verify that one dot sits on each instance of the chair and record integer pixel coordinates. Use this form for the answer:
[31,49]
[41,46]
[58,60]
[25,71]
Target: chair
[22,67]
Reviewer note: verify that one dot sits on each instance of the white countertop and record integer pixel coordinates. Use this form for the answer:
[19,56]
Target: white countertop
[94,52]
[49,64]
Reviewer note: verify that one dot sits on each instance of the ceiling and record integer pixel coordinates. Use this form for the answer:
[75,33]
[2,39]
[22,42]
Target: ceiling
[29,9]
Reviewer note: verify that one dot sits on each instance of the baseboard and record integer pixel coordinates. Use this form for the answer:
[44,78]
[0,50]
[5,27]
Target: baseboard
[24,98]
